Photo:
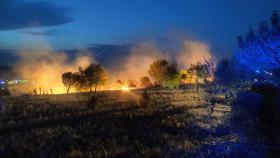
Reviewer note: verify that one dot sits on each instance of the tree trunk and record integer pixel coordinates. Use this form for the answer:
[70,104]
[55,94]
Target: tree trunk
[95,88]
[68,89]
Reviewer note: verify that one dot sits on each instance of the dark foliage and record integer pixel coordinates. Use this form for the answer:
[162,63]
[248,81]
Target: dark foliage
[145,82]
[91,77]
[165,74]
[258,112]
[259,49]
[226,73]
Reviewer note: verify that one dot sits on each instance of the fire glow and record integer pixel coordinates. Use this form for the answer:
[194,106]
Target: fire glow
[44,68]
[124,88]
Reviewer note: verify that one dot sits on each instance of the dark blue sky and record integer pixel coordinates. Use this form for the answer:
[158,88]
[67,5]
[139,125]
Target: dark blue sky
[67,24]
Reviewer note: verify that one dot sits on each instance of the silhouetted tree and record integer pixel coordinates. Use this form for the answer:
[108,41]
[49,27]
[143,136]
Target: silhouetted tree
[197,69]
[68,80]
[263,29]
[120,82]
[94,76]
[145,82]
[80,78]
[251,36]
[158,70]
[275,22]
[260,52]
[132,84]
[225,73]
[240,41]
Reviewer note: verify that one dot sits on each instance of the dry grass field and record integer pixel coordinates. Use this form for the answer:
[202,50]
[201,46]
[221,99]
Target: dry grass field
[158,123]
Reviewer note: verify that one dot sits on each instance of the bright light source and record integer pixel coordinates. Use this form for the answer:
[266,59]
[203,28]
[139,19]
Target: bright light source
[124,88]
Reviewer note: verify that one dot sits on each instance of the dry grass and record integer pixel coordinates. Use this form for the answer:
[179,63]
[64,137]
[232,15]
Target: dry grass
[170,125]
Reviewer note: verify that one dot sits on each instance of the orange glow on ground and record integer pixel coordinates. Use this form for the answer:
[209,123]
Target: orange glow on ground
[120,88]
[125,88]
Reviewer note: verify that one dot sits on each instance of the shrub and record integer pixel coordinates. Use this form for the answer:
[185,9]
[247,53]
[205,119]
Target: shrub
[258,111]
[165,74]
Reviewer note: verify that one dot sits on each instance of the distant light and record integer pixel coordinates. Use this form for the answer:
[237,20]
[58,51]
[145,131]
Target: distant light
[2,82]
[257,71]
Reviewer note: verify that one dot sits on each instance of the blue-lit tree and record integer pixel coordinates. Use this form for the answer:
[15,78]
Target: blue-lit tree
[260,49]
[226,73]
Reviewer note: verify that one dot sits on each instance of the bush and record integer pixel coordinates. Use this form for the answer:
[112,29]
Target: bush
[258,111]
[165,74]
[172,82]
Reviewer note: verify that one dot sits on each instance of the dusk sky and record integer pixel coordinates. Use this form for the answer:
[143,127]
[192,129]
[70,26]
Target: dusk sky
[68,24]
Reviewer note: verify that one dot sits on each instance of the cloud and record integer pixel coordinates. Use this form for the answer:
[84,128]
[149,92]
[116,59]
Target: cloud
[52,32]
[21,14]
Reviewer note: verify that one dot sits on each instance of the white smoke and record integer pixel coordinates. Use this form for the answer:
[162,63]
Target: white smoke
[192,52]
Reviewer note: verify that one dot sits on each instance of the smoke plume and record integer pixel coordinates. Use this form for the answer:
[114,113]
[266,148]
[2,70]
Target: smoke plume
[192,52]
[137,63]
[43,69]
[142,55]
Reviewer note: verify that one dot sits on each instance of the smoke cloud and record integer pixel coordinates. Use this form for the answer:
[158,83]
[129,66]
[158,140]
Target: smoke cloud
[142,55]
[137,63]
[192,52]
[43,69]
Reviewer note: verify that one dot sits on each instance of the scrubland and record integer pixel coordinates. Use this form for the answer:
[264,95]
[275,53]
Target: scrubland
[137,123]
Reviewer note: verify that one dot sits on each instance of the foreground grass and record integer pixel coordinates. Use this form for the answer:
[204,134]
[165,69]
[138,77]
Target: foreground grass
[119,126]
